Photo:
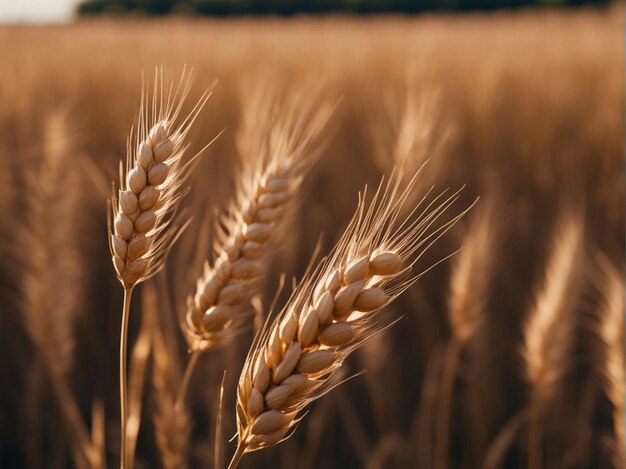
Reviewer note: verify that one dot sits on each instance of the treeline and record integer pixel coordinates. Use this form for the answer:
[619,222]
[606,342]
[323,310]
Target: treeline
[291,7]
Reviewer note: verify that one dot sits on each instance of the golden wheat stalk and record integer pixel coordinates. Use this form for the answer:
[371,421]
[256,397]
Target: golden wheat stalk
[53,281]
[172,423]
[549,328]
[152,184]
[279,141]
[138,367]
[469,288]
[331,313]
[610,329]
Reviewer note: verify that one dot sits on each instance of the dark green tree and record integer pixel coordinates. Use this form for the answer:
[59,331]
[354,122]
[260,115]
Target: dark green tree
[291,7]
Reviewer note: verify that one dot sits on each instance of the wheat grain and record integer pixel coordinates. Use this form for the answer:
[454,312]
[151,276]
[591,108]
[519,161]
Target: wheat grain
[331,314]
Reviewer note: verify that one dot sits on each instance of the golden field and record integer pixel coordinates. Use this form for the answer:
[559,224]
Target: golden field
[524,110]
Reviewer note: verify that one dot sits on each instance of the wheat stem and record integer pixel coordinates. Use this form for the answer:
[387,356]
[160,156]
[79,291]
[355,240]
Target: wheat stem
[83,453]
[189,369]
[534,434]
[442,423]
[237,457]
[123,378]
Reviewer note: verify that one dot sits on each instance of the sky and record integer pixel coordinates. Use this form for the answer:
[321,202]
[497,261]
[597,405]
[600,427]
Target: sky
[29,11]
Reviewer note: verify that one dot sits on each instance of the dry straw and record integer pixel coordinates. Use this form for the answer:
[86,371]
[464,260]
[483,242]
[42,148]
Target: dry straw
[331,313]
[278,142]
[144,210]
[548,333]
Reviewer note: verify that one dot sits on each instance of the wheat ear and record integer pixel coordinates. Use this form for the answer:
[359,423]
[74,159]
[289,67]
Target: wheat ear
[53,281]
[611,332]
[412,130]
[469,287]
[144,211]
[172,423]
[331,314]
[549,328]
[278,142]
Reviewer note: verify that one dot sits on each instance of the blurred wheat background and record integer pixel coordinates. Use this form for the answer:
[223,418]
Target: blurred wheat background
[516,338]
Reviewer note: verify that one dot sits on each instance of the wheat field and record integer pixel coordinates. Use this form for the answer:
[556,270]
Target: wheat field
[380,242]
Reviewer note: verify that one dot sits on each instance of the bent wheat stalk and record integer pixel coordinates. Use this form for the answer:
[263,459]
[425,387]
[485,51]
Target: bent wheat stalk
[331,313]
[144,211]
[278,143]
